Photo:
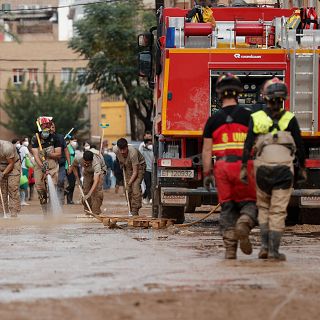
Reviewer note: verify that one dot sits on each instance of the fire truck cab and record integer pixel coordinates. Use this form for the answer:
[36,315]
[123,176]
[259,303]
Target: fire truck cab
[183,66]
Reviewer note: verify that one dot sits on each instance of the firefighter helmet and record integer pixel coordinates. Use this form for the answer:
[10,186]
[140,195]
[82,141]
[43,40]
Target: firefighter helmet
[45,122]
[275,90]
[228,85]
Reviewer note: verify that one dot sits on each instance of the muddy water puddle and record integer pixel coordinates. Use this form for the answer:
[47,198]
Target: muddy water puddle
[70,258]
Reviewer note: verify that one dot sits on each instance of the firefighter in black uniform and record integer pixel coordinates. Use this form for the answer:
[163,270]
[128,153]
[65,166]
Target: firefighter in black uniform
[223,137]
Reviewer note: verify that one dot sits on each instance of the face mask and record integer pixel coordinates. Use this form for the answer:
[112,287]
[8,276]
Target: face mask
[25,143]
[45,134]
[150,147]
[86,147]
[74,144]
[18,145]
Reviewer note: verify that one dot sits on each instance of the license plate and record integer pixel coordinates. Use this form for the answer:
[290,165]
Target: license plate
[310,201]
[176,174]
[172,199]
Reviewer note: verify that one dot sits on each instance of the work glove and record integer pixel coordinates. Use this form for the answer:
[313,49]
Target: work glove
[45,167]
[244,174]
[302,175]
[208,180]
[1,175]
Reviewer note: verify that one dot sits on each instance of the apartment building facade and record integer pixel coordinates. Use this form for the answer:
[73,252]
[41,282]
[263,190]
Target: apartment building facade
[44,28]
[38,27]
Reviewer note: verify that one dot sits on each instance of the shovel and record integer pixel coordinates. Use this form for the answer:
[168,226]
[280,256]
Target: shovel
[126,192]
[3,207]
[88,206]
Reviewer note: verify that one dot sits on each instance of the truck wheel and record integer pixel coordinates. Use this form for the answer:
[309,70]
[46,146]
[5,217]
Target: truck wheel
[172,212]
[191,204]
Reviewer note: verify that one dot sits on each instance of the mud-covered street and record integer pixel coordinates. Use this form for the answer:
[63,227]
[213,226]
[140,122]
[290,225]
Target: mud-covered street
[75,268]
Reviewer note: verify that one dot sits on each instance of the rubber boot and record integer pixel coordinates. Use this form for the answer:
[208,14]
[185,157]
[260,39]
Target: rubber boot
[264,234]
[43,197]
[274,244]
[230,243]
[243,228]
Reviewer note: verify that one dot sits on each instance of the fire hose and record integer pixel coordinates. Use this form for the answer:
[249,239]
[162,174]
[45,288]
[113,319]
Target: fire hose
[183,225]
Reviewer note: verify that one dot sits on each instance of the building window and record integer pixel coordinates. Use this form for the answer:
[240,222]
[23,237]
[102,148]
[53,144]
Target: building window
[18,76]
[66,74]
[33,75]
[80,74]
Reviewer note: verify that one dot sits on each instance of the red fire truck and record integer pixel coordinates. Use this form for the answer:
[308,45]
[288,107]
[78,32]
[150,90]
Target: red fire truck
[183,65]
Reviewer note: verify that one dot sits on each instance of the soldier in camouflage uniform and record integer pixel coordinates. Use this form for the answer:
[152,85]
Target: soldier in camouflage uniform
[46,159]
[94,171]
[10,171]
[134,166]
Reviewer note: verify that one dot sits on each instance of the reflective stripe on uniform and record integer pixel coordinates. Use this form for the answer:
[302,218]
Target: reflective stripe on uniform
[228,145]
[262,122]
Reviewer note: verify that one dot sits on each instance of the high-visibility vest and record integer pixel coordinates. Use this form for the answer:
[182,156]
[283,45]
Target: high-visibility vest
[262,123]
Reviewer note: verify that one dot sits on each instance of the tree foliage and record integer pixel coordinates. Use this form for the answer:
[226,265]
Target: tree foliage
[24,103]
[107,36]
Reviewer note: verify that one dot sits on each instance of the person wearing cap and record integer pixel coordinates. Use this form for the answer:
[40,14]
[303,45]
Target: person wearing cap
[134,165]
[10,170]
[223,137]
[275,137]
[46,160]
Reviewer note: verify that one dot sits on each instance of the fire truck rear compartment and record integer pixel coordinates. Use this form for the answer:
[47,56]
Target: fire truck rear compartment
[256,46]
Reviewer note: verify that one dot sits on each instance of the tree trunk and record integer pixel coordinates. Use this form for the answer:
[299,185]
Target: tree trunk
[133,124]
[139,123]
